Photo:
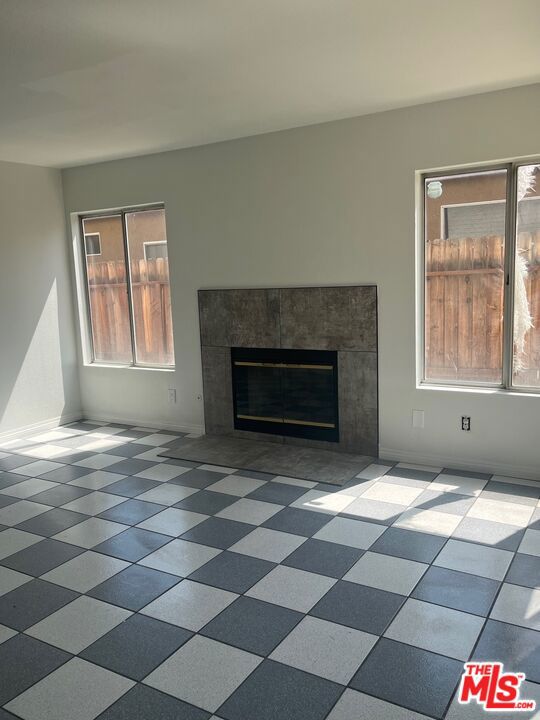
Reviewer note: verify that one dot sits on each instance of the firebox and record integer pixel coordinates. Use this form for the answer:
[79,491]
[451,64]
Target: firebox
[286,392]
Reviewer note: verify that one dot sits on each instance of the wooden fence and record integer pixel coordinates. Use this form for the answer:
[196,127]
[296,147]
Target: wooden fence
[151,311]
[464,308]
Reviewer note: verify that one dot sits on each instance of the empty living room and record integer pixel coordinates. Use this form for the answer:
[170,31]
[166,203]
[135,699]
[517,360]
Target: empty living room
[269,360]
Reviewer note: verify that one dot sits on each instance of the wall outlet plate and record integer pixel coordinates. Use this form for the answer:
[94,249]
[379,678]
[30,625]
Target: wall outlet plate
[466,423]
[418,418]
[172,396]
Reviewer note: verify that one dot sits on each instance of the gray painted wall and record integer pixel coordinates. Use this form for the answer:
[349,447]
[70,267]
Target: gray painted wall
[328,204]
[38,361]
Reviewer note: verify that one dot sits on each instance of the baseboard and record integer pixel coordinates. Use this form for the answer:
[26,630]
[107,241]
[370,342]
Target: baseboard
[42,426]
[514,470]
[142,422]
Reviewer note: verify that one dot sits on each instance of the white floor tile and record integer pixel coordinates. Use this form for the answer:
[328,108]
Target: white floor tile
[530,544]
[354,533]
[324,502]
[475,559]
[85,571]
[13,540]
[90,532]
[266,544]
[291,588]
[435,628]
[428,521]
[179,557]
[504,512]
[166,494]
[172,521]
[236,485]
[518,606]
[391,493]
[253,512]
[190,605]
[386,573]
[10,579]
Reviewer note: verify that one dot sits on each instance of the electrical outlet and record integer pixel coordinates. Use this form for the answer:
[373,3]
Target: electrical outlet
[172,396]
[466,423]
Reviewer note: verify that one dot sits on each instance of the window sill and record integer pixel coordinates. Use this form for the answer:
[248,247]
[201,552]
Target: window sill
[114,366]
[511,392]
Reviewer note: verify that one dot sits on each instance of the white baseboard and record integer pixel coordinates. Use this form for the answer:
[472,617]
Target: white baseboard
[42,426]
[509,470]
[142,422]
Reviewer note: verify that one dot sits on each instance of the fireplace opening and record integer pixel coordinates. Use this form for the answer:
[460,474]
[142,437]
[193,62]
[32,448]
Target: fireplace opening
[286,392]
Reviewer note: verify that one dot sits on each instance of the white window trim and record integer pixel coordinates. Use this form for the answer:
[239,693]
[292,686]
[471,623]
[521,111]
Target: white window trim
[92,234]
[506,386]
[152,242]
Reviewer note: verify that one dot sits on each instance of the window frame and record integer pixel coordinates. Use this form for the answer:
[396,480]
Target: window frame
[88,235]
[85,313]
[506,385]
[152,242]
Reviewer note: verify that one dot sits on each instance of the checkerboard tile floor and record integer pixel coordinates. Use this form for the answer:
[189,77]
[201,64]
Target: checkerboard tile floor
[134,586]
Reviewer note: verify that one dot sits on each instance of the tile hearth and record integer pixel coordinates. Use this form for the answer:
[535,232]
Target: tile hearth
[137,586]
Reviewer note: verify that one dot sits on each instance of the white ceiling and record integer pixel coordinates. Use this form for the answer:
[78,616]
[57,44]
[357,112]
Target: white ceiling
[88,80]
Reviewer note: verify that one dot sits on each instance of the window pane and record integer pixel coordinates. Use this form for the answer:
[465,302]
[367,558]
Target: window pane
[107,290]
[464,283]
[526,366]
[150,291]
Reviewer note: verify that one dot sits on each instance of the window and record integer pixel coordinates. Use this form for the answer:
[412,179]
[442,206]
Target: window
[155,250]
[481,249]
[92,244]
[128,291]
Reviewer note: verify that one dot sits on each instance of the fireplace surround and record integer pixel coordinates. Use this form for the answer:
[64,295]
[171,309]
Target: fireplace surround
[256,325]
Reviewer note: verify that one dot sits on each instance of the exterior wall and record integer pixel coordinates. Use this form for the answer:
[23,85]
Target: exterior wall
[323,205]
[144,227]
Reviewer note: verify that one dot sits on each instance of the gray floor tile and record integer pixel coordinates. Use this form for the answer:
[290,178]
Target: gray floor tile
[13,461]
[38,559]
[197,478]
[20,511]
[136,647]
[291,588]
[132,544]
[66,473]
[252,625]
[29,488]
[278,493]
[78,624]
[179,557]
[145,703]
[218,532]
[5,501]
[204,672]
[517,647]
[409,544]
[416,679]
[436,628]
[358,606]
[297,522]
[60,495]
[444,502]
[359,706]
[510,492]
[23,662]
[190,605]
[131,512]
[410,474]
[30,603]
[130,466]
[69,693]
[52,522]
[323,648]
[524,570]
[206,503]
[485,532]
[84,572]
[134,587]
[128,450]
[132,486]
[275,691]
[7,479]
[324,558]
[457,590]
[467,473]
[98,480]
[231,571]
[530,543]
